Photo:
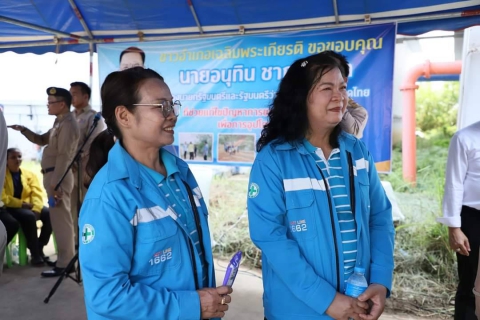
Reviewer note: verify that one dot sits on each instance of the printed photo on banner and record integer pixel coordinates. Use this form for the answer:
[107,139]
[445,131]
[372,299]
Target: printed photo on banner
[196,146]
[132,57]
[236,147]
[226,84]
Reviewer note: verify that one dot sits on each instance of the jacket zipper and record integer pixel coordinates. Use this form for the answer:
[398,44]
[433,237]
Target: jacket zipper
[352,187]
[337,262]
[200,234]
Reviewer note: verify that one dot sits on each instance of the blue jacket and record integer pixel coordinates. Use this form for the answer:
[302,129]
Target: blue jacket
[135,257]
[300,273]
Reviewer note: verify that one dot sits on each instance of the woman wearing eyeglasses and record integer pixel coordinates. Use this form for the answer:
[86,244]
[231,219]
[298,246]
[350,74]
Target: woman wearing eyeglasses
[145,250]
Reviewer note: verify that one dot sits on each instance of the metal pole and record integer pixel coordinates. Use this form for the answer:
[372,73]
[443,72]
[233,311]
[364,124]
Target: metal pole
[236,33]
[192,9]
[40,28]
[283,29]
[80,18]
[37,44]
[335,11]
[90,47]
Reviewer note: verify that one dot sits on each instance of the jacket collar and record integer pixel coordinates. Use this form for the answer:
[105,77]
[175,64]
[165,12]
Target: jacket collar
[346,140]
[121,165]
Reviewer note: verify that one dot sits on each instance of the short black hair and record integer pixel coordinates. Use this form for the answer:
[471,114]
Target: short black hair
[10,150]
[83,87]
[133,49]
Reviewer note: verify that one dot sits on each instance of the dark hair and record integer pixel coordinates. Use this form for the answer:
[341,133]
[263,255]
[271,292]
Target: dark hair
[83,87]
[345,68]
[288,119]
[10,150]
[133,49]
[120,88]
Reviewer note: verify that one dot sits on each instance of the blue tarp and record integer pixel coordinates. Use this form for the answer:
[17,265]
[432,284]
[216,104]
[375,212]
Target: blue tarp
[41,26]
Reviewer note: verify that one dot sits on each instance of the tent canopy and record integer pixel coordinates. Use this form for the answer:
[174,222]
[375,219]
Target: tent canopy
[41,26]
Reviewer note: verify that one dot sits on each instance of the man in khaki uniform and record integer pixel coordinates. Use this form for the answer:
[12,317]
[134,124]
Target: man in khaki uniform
[61,141]
[85,115]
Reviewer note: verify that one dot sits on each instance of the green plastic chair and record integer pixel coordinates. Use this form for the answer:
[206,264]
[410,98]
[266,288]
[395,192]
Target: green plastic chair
[22,249]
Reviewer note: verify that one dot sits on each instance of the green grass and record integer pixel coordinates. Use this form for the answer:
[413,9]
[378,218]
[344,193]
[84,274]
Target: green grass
[228,218]
[425,277]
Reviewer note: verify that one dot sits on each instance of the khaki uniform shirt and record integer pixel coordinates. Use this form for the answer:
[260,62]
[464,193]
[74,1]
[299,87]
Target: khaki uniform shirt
[61,141]
[85,120]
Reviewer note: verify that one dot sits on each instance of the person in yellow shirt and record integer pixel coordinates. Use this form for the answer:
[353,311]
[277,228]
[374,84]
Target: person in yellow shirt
[23,200]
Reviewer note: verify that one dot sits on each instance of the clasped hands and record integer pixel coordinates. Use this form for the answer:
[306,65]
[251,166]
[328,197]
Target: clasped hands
[368,306]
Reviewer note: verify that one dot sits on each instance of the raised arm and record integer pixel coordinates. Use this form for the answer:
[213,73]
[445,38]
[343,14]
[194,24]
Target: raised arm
[40,139]
[355,119]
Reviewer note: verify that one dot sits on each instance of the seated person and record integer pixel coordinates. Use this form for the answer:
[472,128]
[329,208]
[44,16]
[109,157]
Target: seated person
[23,206]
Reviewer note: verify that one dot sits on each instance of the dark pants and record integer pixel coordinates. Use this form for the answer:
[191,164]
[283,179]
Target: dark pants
[467,266]
[27,220]
[11,225]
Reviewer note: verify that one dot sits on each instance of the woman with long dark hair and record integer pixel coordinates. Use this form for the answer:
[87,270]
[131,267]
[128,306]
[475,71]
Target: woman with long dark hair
[145,247]
[316,206]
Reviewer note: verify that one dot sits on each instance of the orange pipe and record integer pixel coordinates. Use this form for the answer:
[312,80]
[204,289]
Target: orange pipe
[409,143]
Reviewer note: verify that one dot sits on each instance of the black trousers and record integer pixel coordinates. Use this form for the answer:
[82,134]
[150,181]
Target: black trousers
[14,218]
[11,225]
[467,266]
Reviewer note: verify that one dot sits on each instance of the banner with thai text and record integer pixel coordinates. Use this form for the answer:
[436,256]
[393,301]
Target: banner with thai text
[226,84]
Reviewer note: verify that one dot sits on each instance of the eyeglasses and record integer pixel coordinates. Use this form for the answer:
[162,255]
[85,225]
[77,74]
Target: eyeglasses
[53,102]
[166,106]
[129,66]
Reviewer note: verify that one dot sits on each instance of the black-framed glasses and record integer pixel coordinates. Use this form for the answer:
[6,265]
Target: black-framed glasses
[53,102]
[166,106]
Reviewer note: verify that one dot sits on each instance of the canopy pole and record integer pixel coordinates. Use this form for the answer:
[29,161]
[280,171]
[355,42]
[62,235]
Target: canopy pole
[213,33]
[194,14]
[335,11]
[90,47]
[40,28]
[79,16]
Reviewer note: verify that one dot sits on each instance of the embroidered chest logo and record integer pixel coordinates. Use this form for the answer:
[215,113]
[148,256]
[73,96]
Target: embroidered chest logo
[298,226]
[161,256]
[253,190]
[88,234]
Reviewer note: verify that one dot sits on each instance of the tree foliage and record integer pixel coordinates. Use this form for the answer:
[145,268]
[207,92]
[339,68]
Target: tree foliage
[436,113]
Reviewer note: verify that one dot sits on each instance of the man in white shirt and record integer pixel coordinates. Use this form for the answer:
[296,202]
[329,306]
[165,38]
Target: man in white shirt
[461,213]
[3,165]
